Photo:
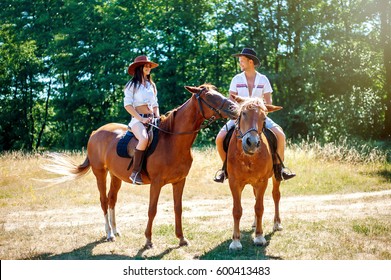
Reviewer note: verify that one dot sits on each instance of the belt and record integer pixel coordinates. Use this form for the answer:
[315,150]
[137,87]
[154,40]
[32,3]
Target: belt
[146,115]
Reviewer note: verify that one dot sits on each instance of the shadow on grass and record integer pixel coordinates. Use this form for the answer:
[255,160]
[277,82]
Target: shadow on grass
[82,253]
[86,253]
[220,252]
[248,252]
[139,255]
[386,174]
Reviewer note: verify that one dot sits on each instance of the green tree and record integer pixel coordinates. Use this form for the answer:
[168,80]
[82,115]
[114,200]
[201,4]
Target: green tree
[384,8]
[63,63]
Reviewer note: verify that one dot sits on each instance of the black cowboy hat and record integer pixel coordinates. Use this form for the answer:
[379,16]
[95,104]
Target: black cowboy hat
[249,53]
[140,60]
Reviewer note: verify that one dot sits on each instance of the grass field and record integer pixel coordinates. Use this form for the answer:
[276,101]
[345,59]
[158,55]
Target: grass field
[338,207]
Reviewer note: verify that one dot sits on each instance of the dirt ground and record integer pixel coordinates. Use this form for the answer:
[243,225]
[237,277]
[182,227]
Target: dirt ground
[309,208]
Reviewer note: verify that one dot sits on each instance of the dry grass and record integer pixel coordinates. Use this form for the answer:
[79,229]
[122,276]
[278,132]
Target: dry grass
[66,222]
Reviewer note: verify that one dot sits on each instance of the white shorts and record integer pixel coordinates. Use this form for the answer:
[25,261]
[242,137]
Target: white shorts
[134,120]
[231,123]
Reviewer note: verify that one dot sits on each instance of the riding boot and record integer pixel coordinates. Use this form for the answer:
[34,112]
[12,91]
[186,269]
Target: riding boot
[135,177]
[282,173]
[221,174]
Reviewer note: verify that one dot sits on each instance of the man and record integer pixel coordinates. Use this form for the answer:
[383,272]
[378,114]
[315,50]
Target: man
[251,83]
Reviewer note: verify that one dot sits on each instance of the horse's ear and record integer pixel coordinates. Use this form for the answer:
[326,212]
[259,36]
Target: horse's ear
[272,108]
[192,89]
[238,99]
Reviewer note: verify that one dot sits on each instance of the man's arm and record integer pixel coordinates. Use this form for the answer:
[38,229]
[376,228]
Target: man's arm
[268,98]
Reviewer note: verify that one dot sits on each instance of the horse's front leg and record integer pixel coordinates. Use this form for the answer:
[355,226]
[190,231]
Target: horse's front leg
[177,194]
[276,198]
[154,194]
[237,210]
[260,189]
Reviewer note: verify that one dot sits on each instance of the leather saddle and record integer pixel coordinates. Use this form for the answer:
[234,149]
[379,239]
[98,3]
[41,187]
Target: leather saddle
[128,142]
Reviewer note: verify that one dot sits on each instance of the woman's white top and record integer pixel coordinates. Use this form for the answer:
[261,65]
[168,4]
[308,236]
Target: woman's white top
[142,95]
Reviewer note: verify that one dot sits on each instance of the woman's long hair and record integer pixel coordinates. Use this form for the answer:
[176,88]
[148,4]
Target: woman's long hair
[138,78]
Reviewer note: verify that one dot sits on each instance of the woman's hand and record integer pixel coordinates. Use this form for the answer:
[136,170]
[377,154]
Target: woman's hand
[145,120]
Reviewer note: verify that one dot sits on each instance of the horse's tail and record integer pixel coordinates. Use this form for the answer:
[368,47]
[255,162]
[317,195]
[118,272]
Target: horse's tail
[63,165]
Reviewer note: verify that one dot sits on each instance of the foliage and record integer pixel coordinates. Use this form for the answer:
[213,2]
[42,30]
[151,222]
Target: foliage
[63,63]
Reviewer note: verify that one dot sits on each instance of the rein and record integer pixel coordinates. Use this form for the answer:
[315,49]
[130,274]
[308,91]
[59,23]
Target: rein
[210,121]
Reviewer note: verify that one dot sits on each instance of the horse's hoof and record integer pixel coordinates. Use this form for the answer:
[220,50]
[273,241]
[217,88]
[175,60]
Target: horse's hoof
[235,245]
[110,239]
[277,227]
[259,240]
[184,242]
[148,245]
[118,234]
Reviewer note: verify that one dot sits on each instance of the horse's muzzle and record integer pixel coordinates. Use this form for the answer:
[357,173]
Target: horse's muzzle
[251,143]
[233,110]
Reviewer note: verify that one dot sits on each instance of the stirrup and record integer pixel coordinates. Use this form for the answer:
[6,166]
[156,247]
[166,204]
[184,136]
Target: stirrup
[135,177]
[220,176]
[287,174]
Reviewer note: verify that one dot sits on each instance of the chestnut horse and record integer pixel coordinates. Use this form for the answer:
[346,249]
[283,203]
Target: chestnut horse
[249,161]
[169,163]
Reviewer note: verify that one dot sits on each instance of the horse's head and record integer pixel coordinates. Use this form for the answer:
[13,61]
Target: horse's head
[212,103]
[251,120]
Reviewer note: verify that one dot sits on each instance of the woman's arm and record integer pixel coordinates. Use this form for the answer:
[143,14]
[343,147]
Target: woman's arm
[131,110]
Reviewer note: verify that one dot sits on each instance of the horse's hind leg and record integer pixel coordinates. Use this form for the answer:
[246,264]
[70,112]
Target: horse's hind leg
[115,185]
[101,175]
[276,197]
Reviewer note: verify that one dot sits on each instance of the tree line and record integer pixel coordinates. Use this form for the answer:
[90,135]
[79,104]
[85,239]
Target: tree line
[63,63]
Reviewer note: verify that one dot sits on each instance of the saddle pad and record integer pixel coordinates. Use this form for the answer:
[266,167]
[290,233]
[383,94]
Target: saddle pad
[272,139]
[122,146]
[227,139]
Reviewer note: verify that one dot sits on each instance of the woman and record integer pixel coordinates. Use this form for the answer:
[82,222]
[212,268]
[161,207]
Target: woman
[141,102]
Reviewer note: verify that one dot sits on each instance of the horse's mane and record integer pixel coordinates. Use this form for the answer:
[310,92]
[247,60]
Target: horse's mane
[251,103]
[208,86]
[167,120]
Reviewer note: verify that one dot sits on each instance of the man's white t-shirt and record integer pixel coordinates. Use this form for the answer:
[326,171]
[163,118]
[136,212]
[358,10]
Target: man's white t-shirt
[261,85]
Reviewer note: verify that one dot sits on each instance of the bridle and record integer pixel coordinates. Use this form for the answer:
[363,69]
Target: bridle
[241,135]
[200,102]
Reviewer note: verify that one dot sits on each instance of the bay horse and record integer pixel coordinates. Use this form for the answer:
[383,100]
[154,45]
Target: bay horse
[169,163]
[249,161]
